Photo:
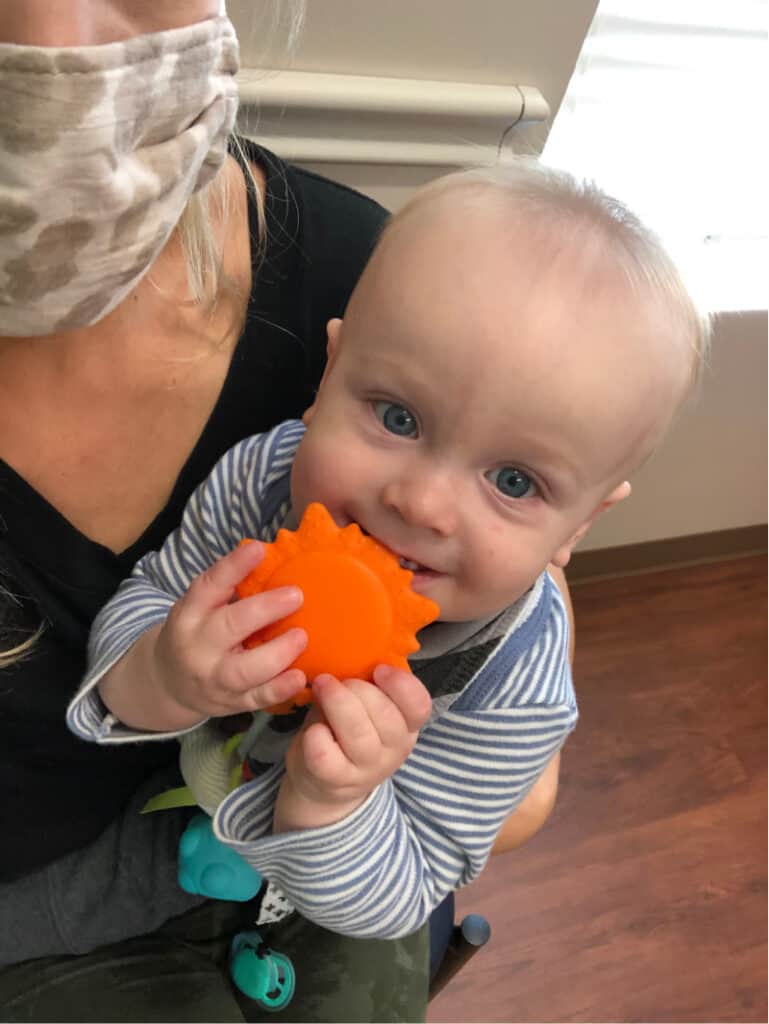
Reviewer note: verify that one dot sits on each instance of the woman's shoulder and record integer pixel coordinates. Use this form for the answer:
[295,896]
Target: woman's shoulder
[354,216]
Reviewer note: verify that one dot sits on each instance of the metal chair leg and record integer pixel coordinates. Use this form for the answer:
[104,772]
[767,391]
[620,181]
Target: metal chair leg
[466,939]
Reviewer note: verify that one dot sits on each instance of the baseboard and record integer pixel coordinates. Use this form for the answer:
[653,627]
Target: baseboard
[629,559]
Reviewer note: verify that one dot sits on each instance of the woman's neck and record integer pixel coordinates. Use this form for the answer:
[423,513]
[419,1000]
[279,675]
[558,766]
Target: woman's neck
[100,420]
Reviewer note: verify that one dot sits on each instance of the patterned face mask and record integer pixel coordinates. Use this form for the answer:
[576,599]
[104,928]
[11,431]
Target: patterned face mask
[100,149]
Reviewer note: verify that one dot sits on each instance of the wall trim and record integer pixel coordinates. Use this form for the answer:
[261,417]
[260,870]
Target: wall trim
[630,559]
[319,117]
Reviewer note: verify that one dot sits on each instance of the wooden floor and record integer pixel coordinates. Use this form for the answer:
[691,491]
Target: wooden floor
[644,897]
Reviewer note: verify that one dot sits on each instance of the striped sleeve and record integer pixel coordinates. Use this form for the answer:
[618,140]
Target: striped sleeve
[226,507]
[430,828]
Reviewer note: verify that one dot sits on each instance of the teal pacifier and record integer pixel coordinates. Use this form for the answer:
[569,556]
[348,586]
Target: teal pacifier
[260,973]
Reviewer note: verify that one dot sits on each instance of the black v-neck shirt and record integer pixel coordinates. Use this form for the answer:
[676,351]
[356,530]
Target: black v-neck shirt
[57,793]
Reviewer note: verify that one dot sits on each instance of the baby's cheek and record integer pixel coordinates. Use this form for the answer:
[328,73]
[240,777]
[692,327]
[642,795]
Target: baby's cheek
[498,575]
[492,557]
[324,481]
[304,476]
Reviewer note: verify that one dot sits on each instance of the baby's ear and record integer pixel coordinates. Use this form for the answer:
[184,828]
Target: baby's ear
[563,554]
[333,328]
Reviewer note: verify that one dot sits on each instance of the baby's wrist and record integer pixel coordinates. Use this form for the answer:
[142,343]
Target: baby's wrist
[173,713]
[175,717]
[296,810]
[135,691]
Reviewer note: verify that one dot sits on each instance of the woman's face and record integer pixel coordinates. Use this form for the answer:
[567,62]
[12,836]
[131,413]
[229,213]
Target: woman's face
[91,22]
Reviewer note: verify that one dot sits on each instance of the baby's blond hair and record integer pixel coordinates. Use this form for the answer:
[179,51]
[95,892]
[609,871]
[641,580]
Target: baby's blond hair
[558,206]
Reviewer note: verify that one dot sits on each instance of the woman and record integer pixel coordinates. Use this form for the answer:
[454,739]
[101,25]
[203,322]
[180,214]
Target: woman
[163,293]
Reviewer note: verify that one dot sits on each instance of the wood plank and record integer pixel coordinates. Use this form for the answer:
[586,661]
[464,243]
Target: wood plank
[644,898]
[675,552]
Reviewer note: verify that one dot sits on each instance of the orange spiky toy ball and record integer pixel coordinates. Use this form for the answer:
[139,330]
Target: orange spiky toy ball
[359,610]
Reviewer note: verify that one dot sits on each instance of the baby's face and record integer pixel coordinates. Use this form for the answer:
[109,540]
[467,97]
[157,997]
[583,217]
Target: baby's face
[474,418]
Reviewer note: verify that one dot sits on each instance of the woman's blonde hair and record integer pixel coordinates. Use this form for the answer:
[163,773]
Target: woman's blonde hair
[278,29]
[202,251]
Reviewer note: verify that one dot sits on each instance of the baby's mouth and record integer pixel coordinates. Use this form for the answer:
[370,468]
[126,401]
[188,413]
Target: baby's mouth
[405,563]
[421,573]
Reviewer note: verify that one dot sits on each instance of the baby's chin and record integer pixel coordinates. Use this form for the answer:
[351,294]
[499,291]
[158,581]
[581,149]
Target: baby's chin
[457,606]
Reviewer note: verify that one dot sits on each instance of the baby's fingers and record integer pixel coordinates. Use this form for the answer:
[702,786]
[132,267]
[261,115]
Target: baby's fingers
[348,719]
[407,693]
[233,623]
[245,671]
[278,690]
[214,587]
[324,760]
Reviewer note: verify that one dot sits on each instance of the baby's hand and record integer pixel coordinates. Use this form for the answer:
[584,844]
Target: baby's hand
[355,737]
[199,656]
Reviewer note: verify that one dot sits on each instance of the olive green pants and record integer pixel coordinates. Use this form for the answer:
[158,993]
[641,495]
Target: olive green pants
[180,973]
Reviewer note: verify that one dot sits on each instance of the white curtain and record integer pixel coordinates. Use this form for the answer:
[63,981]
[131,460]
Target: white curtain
[667,110]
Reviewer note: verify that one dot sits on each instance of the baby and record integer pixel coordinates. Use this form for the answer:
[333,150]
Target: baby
[515,349]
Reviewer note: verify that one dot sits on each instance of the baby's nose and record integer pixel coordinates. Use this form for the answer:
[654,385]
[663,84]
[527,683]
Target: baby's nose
[426,502]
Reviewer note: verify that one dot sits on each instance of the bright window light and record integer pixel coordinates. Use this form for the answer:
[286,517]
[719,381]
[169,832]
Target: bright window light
[666,110]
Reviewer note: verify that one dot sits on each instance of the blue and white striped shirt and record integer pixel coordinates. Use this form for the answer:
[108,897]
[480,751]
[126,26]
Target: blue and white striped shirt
[503,706]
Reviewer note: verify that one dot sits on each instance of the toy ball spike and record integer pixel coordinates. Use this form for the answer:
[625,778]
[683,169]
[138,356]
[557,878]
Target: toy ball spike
[359,610]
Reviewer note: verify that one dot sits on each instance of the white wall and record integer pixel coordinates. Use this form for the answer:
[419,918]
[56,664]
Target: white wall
[489,41]
[711,472]
[485,42]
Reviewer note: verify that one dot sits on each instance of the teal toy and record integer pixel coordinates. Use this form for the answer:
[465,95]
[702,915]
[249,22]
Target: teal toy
[209,868]
[260,973]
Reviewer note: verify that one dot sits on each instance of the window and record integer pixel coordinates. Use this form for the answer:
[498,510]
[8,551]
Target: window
[666,110]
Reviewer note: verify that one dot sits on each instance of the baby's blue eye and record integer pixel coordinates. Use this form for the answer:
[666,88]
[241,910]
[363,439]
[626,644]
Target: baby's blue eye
[396,419]
[512,482]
